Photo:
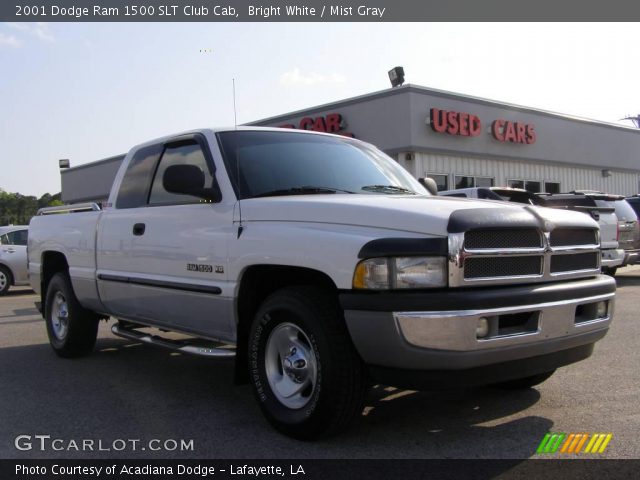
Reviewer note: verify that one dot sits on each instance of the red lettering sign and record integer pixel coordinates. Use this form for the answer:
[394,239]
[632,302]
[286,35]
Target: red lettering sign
[330,123]
[513,132]
[455,123]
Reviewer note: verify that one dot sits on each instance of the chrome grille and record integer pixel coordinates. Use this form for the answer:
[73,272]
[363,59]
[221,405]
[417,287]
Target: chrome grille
[564,237]
[502,238]
[492,267]
[527,255]
[574,262]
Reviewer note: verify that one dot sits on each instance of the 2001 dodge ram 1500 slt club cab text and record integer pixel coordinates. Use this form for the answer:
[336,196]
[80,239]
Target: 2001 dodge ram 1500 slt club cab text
[323,266]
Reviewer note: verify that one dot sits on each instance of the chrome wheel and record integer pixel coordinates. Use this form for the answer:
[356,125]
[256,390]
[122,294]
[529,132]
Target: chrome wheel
[60,316]
[291,365]
[3,280]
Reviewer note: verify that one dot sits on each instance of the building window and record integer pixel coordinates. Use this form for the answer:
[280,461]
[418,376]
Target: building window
[533,186]
[463,181]
[552,187]
[442,180]
[484,182]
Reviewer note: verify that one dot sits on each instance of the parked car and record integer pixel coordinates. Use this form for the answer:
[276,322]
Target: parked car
[508,194]
[13,257]
[634,201]
[628,229]
[628,225]
[322,266]
[600,207]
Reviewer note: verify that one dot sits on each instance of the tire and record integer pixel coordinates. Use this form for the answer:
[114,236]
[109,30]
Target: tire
[6,279]
[611,271]
[299,343]
[526,382]
[72,330]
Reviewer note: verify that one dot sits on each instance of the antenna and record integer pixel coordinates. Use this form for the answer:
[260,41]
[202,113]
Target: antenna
[235,116]
[635,120]
[239,183]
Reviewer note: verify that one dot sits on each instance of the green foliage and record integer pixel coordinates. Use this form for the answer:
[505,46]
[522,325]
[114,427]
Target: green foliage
[17,209]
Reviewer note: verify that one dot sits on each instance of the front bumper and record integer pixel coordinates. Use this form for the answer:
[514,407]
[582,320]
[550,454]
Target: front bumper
[435,331]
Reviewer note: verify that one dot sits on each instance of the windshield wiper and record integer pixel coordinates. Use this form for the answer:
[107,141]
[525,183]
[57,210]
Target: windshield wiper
[303,190]
[387,188]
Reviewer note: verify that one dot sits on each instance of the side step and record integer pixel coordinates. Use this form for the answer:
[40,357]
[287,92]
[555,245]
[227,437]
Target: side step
[178,345]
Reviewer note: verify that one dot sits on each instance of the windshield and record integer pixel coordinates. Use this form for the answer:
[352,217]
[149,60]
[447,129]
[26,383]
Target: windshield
[289,163]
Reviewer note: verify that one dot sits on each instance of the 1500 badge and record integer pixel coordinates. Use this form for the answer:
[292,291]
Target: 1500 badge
[200,267]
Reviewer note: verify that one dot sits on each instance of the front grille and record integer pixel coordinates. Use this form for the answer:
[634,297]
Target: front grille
[522,255]
[487,267]
[565,237]
[502,238]
[574,262]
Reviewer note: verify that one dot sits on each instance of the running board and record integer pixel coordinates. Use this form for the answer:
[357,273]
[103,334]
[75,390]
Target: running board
[182,346]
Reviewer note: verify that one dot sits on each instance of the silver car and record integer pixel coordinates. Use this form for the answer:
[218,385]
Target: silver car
[13,257]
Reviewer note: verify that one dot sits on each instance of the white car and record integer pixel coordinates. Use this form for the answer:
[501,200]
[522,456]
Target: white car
[13,257]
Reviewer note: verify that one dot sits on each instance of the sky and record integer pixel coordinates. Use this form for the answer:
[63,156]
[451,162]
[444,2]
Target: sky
[87,91]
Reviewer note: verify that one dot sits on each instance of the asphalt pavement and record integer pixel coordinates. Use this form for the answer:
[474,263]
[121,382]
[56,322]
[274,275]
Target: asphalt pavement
[148,398]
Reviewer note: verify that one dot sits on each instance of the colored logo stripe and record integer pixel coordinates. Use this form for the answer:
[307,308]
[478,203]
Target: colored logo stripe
[574,443]
[550,442]
[598,443]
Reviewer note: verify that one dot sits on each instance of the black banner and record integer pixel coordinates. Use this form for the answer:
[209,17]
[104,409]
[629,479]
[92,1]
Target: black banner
[316,10]
[317,469]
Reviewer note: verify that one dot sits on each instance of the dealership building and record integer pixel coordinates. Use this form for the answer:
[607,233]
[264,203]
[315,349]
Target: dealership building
[458,140]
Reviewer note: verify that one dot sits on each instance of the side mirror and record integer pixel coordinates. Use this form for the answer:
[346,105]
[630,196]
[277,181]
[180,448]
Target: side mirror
[430,184]
[188,180]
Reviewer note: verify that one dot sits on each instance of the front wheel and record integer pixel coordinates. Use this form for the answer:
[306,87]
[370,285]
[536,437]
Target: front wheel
[5,280]
[611,271]
[306,374]
[72,330]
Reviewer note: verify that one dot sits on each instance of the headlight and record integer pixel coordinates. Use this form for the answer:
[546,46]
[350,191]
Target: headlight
[401,272]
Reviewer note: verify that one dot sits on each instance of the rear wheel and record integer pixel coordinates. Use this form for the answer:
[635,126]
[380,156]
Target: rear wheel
[72,330]
[5,280]
[306,374]
[527,382]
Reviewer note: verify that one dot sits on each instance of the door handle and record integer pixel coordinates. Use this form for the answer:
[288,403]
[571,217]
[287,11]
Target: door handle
[138,229]
[9,250]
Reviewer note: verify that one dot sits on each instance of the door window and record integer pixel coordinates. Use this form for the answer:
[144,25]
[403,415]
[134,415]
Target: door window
[183,154]
[19,237]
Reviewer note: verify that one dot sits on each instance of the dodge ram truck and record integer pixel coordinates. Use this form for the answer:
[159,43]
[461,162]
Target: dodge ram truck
[323,267]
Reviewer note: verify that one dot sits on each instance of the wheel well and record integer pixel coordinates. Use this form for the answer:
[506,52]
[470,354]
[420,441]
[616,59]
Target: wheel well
[52,263]
[256,284]
[8,269]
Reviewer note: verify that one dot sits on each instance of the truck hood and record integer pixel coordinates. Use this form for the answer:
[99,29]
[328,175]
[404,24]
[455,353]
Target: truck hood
[420,214]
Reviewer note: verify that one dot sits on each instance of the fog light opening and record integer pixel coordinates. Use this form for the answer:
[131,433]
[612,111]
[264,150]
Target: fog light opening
[482,328]
[601,309]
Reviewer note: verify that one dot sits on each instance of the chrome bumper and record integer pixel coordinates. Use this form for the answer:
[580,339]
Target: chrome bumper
[456,330]
[613,257]
[631,257]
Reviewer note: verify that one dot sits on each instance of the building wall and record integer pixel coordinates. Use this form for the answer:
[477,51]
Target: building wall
[569,177]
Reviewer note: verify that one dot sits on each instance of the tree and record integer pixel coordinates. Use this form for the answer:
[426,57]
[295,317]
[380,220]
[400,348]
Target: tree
[17,209]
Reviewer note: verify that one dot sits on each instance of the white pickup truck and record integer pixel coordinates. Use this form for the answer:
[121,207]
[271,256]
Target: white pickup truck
[324,267]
